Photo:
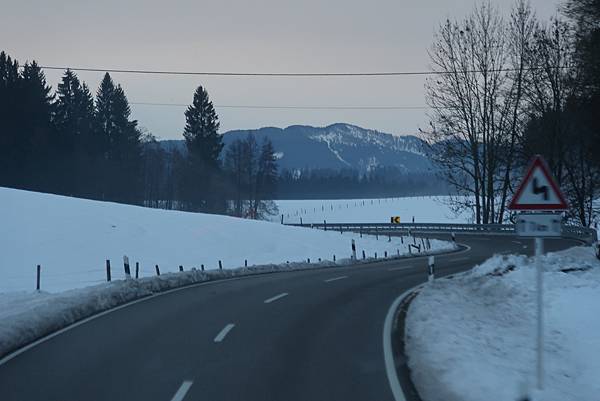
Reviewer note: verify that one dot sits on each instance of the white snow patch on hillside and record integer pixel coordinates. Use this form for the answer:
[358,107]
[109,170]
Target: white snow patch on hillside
[471,338]
[424,209]
[72,238]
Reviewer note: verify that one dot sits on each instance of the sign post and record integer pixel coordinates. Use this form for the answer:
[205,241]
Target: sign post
[537,193]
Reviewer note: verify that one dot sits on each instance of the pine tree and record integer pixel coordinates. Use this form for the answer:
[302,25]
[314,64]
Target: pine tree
[119,137]
[201,129]
[202,188]
[33,114]
[73,118]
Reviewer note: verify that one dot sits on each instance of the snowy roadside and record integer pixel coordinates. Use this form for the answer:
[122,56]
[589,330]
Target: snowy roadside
[27,316]
[471,337]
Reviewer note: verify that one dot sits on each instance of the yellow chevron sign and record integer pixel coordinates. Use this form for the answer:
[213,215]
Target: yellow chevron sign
[395,219]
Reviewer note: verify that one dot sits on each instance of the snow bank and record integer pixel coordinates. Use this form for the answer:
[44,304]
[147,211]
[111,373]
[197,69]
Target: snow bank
[471,338]
[71,239]
[425,209]
[27,316]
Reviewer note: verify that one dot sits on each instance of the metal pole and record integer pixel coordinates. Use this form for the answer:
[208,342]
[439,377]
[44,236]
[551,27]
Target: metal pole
[539,250]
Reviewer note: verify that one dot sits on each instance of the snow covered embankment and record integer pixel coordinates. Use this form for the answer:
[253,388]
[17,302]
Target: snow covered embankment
[472,337]
[71,239]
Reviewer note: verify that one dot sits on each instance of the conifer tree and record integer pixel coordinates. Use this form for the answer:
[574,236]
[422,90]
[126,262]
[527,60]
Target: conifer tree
[201,129]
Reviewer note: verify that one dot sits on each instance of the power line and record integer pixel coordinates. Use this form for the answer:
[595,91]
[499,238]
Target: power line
[286,74]
[291,107]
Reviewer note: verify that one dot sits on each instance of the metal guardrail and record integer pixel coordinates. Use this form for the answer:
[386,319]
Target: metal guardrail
[582,233]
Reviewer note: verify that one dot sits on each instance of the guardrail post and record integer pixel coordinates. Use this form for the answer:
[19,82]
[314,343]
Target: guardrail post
[39,273]
[108,270]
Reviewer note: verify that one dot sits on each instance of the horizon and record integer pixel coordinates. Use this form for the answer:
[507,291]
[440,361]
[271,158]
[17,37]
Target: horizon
[277,37]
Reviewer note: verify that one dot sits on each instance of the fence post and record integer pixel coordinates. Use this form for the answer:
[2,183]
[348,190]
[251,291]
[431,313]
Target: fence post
[107,270]
[180,268]
[375,255]
[398,252]
[385,254]
[453,238]
[334,258]
[401,239]
[126,266]
[353,250]
[220,265]
[363,254]
[300,220]
[202,267]
[431,268]
[282,219]
[245,262]
[157,270]
[137,269]
[325,225]
[389,238]
[308,260]
[37,285]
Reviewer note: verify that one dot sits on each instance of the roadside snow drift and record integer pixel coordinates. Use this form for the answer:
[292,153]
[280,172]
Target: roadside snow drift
[472,337]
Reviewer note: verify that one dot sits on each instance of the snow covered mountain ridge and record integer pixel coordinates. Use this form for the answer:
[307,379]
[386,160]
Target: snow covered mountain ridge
[337,146]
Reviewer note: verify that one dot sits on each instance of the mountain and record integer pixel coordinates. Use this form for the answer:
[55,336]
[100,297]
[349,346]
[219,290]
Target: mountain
[336,146]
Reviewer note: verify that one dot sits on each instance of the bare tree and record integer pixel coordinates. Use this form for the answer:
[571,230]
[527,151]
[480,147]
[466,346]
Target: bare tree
[475,104]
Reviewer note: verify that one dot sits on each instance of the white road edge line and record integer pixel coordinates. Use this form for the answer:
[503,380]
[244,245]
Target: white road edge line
[388,355]
[224,332]
[182,391]
[276,297]
[329,280]
[393,269]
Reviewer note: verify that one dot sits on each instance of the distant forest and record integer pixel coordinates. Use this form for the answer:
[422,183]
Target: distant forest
[347,183]
[75,143]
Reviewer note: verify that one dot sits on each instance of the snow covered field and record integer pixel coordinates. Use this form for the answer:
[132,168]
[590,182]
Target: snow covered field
[71,238]
[425,209]
[471,338]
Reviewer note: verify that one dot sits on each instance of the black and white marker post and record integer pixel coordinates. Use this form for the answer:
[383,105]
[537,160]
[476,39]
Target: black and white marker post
[353,250]
[540,200]
[431,268]
[126,266]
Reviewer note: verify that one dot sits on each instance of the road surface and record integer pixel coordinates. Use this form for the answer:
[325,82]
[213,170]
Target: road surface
[305,335]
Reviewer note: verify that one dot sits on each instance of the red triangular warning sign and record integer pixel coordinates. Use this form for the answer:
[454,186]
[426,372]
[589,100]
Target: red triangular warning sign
[538,190]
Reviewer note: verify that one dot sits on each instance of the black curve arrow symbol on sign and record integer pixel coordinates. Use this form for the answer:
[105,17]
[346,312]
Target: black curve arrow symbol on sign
[540,189]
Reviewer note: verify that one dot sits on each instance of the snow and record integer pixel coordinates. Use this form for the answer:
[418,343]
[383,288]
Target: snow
[72,238]
[472,337]
[425,209]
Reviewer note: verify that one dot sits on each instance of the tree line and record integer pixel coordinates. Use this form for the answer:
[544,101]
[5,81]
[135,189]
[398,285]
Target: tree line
[382,181]
[70,142]
[512,87]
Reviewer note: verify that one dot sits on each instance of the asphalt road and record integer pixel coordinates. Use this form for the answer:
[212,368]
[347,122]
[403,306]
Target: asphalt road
[306,335]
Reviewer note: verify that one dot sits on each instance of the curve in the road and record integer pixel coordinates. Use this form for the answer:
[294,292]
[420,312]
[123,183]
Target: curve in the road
[319,341]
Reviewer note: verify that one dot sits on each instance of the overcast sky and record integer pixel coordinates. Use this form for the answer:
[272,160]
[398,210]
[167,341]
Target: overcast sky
[247,36]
